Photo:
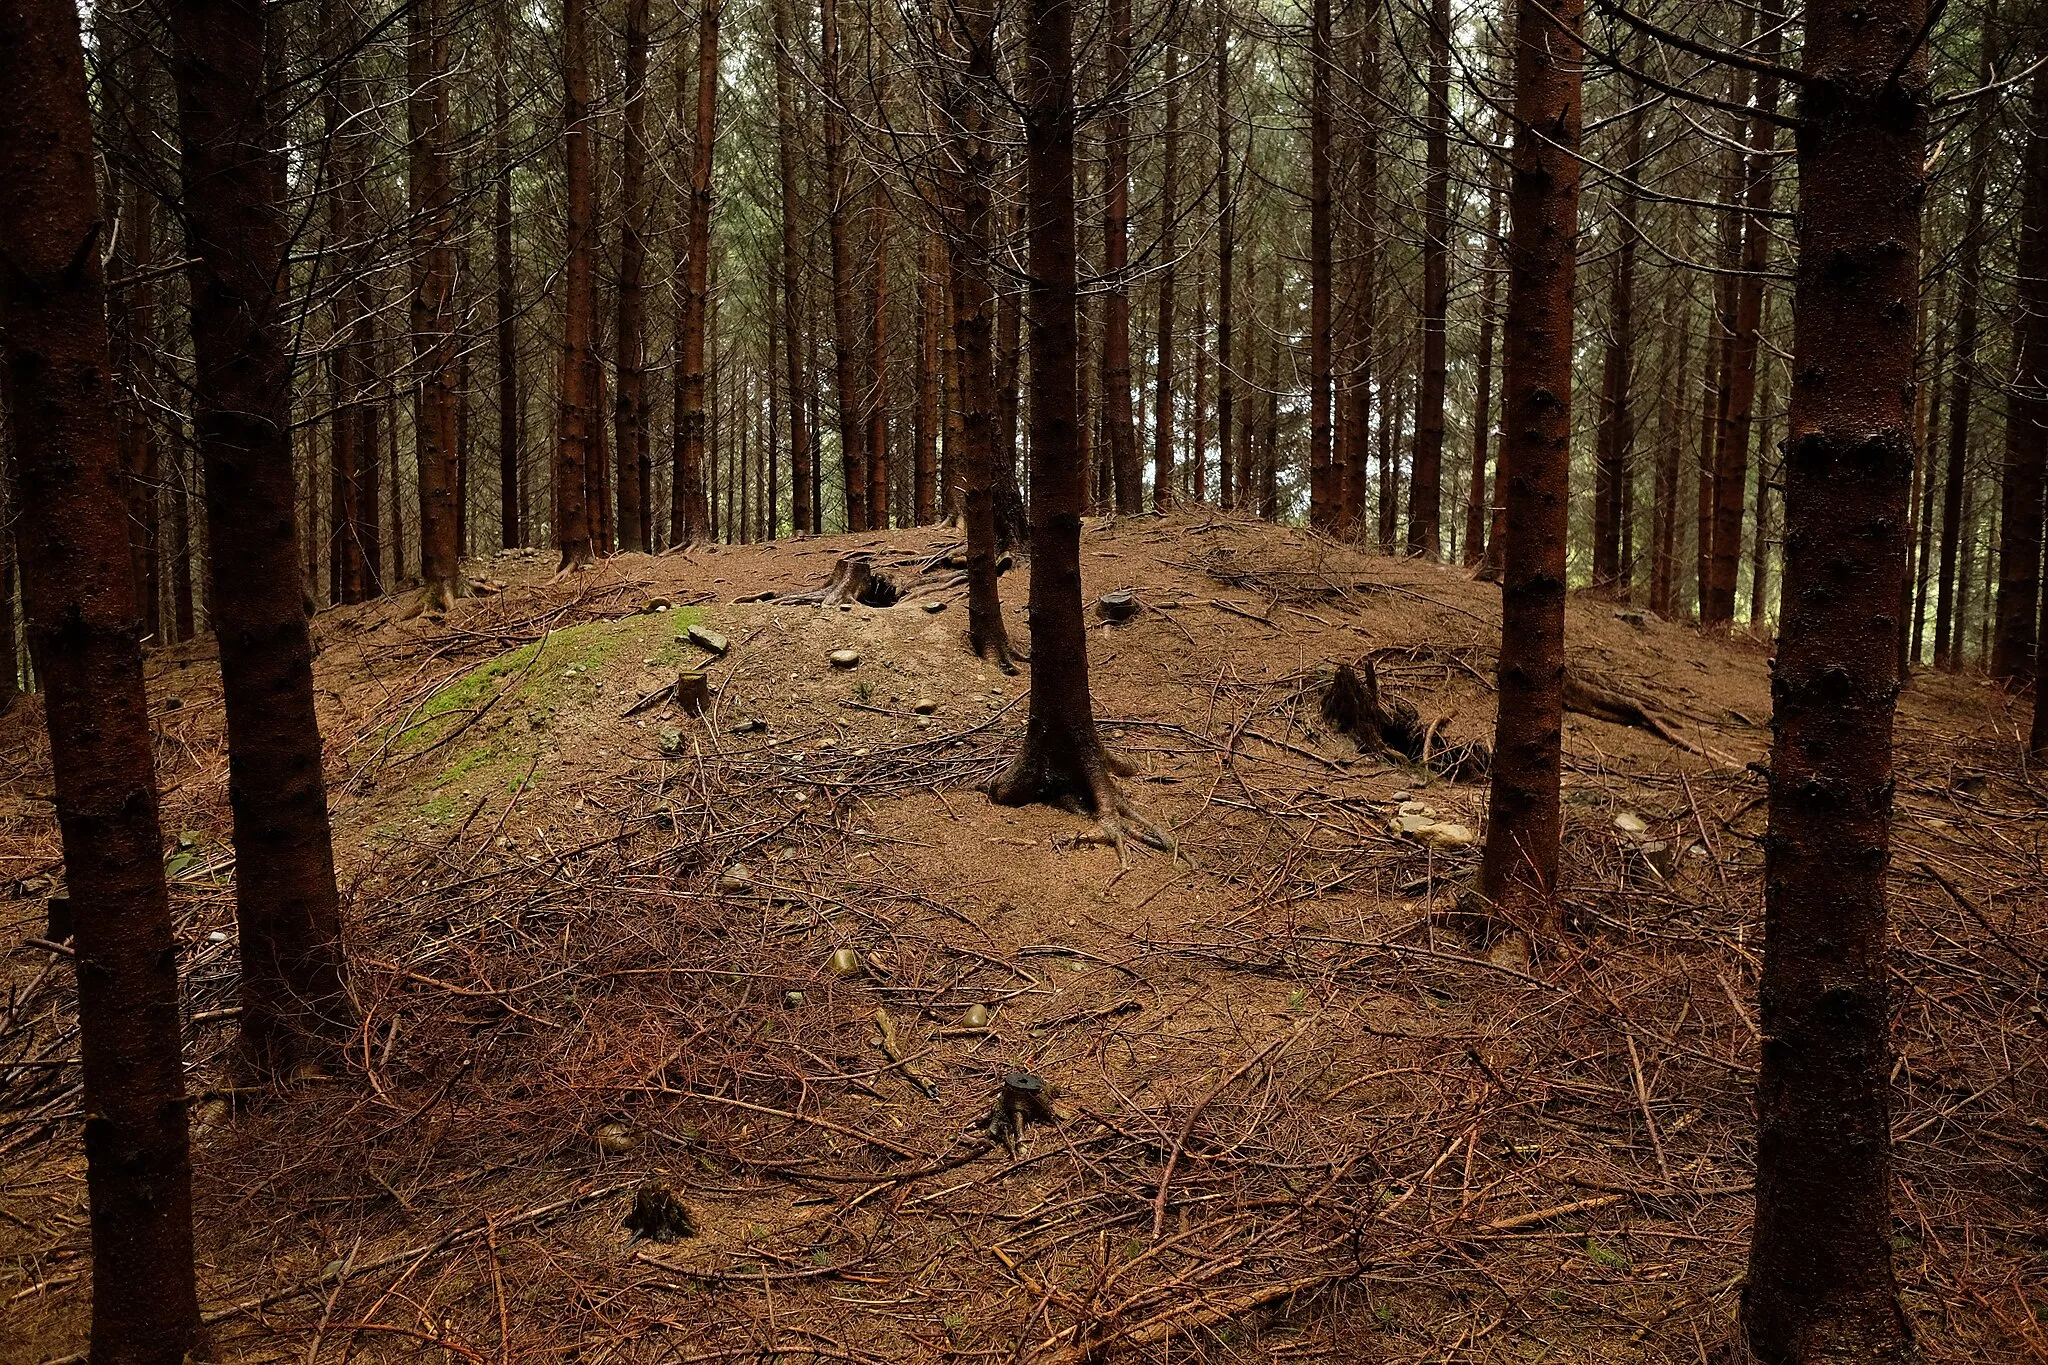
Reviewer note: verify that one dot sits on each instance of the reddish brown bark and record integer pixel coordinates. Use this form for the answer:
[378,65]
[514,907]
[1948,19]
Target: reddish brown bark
[875,399]
[1164,488]
[930,304]
[132,314]
[286,907]
[577,423]
[436,441]
[1820,1285]
[786,134]
[1518,873]
[1664,488]
[846,338]
[1119,433]
[1325,491]
[355,441]
[1354,410]
[511,416]
[1226,246]
[84,624]
[689,513]
[1425,488]
[630,440]
[1478,510]
[2026,420]
[1617,430]
[1062,758]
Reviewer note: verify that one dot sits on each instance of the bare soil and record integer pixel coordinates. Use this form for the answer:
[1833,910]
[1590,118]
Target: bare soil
[1297,1112]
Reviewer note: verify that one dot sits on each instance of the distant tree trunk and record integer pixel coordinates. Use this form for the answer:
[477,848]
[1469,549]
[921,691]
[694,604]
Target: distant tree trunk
[1425,494]
[133,315]
[1118,427]
[1062,758]
[181,543]
[1927,419]
[83,622]
[846,340]
[1731,473]
[786,135]
[1198,398]
[1226,245]
[1664,492]
[286,906]
[1362,313]
[354,442]
[1617,432]
[1760,548]
[577,423]
[1820,1285]
[931,291]
[1711,379]
[690,513]
[971,246]
[1518,873]
[2026,420]
[1163,472]
[629,423]
[434,316]
[1478,510]
[1011,527]
[510,531]
[1948,613]
[875,402]
[1324,493]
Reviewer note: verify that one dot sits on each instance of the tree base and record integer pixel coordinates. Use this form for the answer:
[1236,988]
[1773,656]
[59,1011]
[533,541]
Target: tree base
[1085,783]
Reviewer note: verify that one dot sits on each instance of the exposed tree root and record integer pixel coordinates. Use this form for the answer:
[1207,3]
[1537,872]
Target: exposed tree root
[1086,785]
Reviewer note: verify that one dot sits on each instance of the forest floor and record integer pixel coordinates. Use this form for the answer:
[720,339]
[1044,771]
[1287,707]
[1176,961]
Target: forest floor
[1296,1113]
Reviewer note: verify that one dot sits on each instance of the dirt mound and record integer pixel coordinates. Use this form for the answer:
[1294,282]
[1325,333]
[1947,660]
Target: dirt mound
[780,957]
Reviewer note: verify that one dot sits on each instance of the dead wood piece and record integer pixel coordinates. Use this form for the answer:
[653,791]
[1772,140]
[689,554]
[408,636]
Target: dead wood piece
[1603,701]
[1354,704]
[892,1048]
[854,580]
[659,1213]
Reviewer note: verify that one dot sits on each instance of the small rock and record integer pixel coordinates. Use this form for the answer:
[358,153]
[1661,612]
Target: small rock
[1415,808]
[794,999]
[924,706]
[1630,617]
[1402,796]
[707,639]
[1447,835]
[616,1138]
[1631,824]
[657,604]
[1409,825]
[844,963]
[935,607]
[1511,951]
[735,878]
[748,727]
[976,1017]
[845,658]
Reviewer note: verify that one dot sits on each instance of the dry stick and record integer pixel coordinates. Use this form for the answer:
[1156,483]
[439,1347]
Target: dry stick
[1195,1114]
[1527,1220]
[826,1124]
[1635,1063]
[1970,907]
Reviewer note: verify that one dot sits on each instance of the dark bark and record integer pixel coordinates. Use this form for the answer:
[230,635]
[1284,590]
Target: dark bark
[630,439]
[786,135]
[875,358]
[354,441]
[1518,874]
[1425,488]
[931,292]
[2026,420]
[577,423]
[1062,759]
[85,627]
[511,425]
[1226,247]
[292,972]
[689,513]
[1664,488]
[1478,510]
[846,340]
[1325,492]
[132,313]
[1164,475]
[436,442]
[1617,414]
[1119,434]
[1820,1285]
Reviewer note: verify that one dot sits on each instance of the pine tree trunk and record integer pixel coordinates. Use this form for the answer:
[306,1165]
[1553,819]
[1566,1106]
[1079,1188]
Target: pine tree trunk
[1226,246]
[690,514]
[1820,1284]
[577,423]
[1664,489]
[511,532]
[2026,420]
[930,302]
[786,135]
[132,312]
[1518,873]
[286,906]
[1355,406]
[1617,418]
[875,400]
[354,440]
[1198,397]
[1478,510]
[629,419]
[434,316]
[1324,492]
[1118,423]
[1425,488]
[1164,474]
[853,457]
[84,623]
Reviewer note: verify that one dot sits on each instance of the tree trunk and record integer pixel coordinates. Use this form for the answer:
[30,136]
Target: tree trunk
[1325,493]
[354,442]
[1163,471]
[875,402]
[1425,488]
[286,907]
[1198,398]
[786,135]
[1478,510]
[133,315]
[1226,246]
[1518,873]
[931,292]
[578,418]
[2026,420]
[434,315]
[1731,473]
[1820,1283]
[1119,435]
[511,532]
[689,513]
[1617,416]
[1354,412]
[1062,758]
[1664,490]
[83,622]
[629,420]
[853,457]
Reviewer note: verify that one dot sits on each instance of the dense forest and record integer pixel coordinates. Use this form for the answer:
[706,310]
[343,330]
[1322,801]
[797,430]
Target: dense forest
[323,317]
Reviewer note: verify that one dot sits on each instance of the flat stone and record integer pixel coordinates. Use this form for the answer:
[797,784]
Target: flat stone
[708,639]
[1447,834]
[845,658]
[1410,825]
[1629,823]
[735,878]
[935,607]
[925,706]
